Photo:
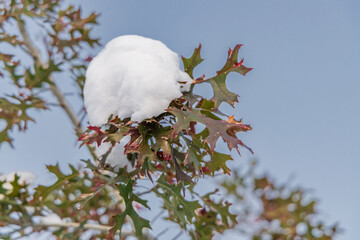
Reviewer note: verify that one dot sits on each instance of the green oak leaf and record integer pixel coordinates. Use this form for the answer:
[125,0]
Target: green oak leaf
[12,69]
[162,136]
[194,153]
[208,222]
[221,92]
[126,191]
[15,192]
[145,153]
[193,61]
[180,209]
[41,75]
[13,110]
[221,208]
[217,128]
[218,161]
[62,179]
[218,83]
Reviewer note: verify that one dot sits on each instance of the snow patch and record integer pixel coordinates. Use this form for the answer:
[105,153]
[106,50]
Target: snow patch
[24,178]
[134,77]
[117,159]
[52,218]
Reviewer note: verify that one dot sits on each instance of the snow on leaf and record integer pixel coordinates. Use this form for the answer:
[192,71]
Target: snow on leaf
[114,155]
[133,77]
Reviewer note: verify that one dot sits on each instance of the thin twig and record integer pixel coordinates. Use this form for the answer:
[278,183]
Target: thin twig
[77,225]
[161,233]
[143,193]
[35,53]
[178,235]
[103,158]
[157,216]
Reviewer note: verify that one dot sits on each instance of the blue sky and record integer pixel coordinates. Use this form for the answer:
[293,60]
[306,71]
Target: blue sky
[301,98]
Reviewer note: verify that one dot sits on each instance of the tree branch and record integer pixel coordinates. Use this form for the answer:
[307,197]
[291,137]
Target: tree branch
[35,53]
[77,225]
[147,236]
[68,225]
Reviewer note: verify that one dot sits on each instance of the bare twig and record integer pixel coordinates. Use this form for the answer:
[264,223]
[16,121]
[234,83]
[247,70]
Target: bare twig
[35,53]
[157,216]
[78,225]
[178,235]
[71,224]
[161,233]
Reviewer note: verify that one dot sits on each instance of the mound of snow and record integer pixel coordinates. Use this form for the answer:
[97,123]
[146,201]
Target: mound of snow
[134,77]
[117,159]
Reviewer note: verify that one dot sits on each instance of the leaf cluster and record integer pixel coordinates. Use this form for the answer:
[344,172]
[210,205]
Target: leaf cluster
[174,150]
[79,197]
[64,32]
[180,147]
[285,212]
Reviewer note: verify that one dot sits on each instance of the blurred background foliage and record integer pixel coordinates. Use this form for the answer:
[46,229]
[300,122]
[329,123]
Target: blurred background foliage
[95,202]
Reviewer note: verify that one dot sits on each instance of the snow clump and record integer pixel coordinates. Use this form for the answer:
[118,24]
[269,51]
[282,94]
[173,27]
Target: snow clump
[116,159]
[134,77]
[24,178]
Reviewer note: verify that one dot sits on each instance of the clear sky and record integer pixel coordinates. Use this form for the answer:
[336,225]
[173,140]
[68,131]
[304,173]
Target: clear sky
[302,98]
